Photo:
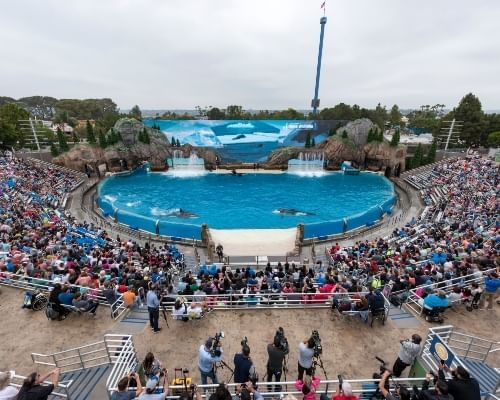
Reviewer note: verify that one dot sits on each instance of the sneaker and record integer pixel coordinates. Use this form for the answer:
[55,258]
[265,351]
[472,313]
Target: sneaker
[159,329]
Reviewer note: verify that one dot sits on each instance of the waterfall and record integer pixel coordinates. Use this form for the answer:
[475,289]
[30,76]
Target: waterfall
[308,164]
[183,167]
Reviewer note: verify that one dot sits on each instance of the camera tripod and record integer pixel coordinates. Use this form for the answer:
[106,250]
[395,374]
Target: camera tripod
[317,361]
[222,364]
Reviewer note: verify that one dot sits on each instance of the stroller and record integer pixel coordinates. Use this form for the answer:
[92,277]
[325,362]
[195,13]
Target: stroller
[472,302]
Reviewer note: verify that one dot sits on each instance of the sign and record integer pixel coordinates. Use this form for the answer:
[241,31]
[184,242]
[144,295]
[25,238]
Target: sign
[440,351]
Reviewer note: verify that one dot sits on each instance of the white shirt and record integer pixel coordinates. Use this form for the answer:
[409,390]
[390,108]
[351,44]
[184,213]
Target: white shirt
[305,355]
[8,393]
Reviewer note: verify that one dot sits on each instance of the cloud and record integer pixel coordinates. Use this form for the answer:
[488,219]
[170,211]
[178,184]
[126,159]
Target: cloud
[259,54]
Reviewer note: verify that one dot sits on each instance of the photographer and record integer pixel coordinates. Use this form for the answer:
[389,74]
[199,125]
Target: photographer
[440,391]
[194,395]
[33,387]
[242,364]
[402,393]
[247,391]
[462,386]
[306,354]
[123,392]
[344,392]
[408,352]
[275,363]
[207,358]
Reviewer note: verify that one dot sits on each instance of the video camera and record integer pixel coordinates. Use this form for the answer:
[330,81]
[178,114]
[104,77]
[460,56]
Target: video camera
[216,345]
[318,349]
[382,366]
[283,346]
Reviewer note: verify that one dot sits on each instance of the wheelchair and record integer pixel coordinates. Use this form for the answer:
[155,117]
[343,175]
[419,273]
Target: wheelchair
[35,300]
[434,315]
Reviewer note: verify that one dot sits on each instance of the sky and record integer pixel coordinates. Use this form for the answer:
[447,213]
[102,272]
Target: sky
[261,54]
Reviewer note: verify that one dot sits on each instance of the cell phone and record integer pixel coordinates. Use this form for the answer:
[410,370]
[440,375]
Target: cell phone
[442,362]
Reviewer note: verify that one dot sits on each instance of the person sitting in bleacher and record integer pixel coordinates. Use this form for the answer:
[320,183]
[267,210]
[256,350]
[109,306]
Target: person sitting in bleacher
[66,296]
[84,305]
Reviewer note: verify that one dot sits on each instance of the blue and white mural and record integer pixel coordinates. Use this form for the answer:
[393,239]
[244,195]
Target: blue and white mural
[244,140]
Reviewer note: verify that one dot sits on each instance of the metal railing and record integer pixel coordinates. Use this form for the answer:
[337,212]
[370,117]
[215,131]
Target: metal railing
[29,283]
[103,352]
[124,361]
[273,301]
[413,304]
[60,391]
[365,387]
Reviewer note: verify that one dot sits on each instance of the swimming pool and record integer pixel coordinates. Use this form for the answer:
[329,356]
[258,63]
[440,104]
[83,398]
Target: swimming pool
[172,206]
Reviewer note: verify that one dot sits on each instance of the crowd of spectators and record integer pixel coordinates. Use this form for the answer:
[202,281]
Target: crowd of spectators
[40,240]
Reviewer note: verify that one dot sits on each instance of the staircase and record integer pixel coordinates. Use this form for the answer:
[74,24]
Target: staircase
[471,352]
[488,377]
[84,381]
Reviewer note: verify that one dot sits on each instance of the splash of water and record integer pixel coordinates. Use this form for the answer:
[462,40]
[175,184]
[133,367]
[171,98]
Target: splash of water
[309,164]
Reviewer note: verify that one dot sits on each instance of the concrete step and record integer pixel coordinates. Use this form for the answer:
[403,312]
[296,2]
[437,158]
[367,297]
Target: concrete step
[487,377]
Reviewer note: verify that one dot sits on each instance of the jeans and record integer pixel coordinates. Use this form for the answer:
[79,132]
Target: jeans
[277,378]
[399,367]
[154,315]
[93,306]
[206,375]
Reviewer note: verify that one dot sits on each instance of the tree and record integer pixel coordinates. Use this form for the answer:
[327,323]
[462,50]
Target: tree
[172,141]
[313,142]
[61,138]
[494,139]
[331,132]
[178,143]
[234,112]
[395,115]
[75,138]
[418,157]
[144,136]
[379,116]
[371,136]
[54,150]
[136,113]
[469,111]
[102,139]
[308,140]
[10,126]
[344,134]
[431,155]
[395,138]
[90,133]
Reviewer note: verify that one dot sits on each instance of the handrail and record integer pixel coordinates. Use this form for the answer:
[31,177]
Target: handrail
[447,286]
[63,386]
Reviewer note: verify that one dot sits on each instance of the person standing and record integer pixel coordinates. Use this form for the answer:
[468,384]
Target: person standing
[275,363]
[306,353]
[207,361]
[408,352]
[242,365]
[491,285]
[33,388]
[153,308]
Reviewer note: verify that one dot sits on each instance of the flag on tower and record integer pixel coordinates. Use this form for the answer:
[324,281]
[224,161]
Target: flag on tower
[323,5]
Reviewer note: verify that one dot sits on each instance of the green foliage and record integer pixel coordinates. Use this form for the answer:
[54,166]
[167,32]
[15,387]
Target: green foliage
[418,157]
[61,138]
[344,134]
[395,138]
[102,139]
[10,127]
[234,112]
[178,143]
[90,133]
[144,136]
[331,132]
[95,109]
[313,142]
[308,140]
[173,142]
[427,118]
[75,138]
[470,112]
[136,113]
[494,139]
[113,137]
[431,155]
[395,116]
[54,150]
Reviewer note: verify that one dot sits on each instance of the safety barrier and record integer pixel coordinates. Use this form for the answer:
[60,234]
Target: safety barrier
[61,391]
[413,304]
[10,279]
[344,225]
[124,362]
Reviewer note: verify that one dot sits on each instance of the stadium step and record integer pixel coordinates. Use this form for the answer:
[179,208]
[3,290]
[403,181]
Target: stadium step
[84,381]
[402,318]
[487,377]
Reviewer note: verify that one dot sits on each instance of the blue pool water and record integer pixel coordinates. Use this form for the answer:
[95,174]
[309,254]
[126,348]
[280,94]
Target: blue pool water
[250,201]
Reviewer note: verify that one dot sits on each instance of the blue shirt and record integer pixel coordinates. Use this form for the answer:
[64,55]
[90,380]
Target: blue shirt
[66,298]
[152,299]
[205,359]
[491,285]
[433,300]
